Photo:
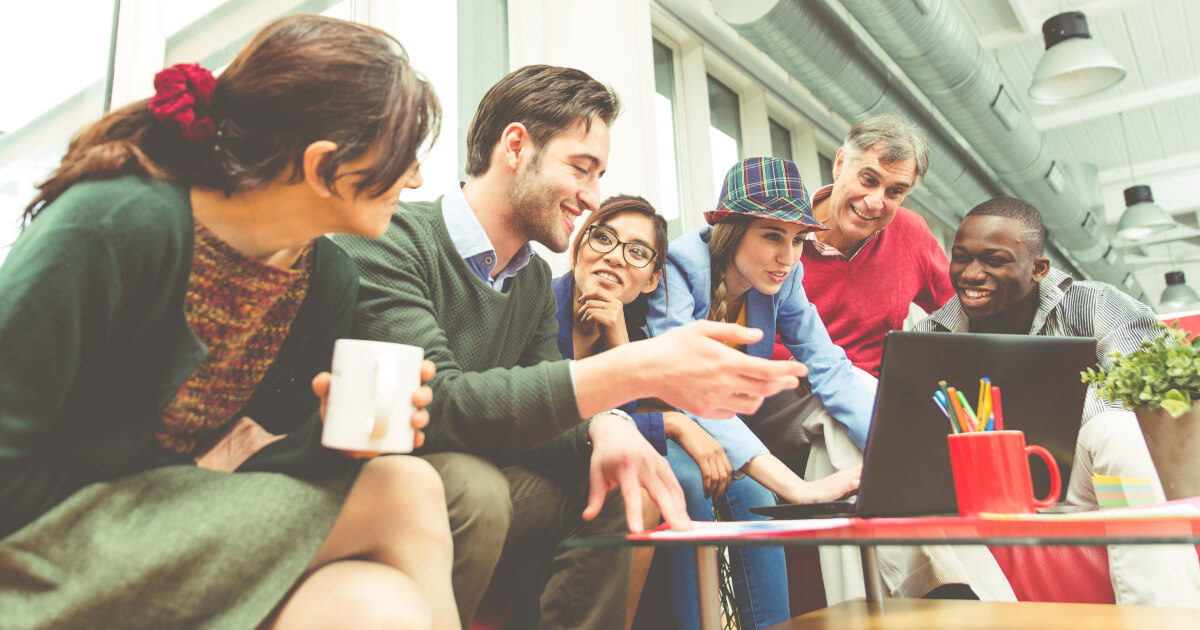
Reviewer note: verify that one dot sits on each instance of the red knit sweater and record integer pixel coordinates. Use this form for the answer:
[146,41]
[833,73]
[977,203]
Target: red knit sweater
[863,298]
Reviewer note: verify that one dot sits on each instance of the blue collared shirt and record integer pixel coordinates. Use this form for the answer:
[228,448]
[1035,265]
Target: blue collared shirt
[473,244]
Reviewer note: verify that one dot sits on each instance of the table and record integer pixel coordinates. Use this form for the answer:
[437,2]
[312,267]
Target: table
[1176,522]
[924,614]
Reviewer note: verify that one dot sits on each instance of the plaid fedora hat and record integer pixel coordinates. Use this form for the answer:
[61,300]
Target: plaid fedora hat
[765,187]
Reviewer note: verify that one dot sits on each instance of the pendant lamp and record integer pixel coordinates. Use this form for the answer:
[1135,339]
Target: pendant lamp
[1074,65]
[1178,296]
[1142,217]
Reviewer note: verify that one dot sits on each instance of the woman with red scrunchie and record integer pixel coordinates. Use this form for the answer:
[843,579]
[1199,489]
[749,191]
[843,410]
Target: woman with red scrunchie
[169,313]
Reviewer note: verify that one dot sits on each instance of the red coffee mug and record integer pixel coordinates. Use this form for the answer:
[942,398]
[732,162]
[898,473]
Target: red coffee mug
[991,473]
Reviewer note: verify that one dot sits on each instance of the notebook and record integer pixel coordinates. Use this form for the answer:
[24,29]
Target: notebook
[906,465]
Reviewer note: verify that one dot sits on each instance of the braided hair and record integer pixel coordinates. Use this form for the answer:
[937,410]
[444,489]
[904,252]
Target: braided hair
[722,244]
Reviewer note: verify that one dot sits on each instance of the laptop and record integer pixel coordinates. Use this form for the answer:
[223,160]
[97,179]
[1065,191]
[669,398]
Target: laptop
[906,466]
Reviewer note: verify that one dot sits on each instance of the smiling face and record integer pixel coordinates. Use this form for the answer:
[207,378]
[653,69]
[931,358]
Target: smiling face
[996,274]
[557,183]
[866,194]
[610,272]
[766,255]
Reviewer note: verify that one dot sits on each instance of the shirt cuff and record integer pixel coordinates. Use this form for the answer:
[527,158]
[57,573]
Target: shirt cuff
[571,369]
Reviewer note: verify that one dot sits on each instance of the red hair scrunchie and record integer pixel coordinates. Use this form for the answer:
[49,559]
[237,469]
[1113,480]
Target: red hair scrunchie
[183,93]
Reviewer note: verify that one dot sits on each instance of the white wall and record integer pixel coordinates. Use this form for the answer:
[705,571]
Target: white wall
[610,41]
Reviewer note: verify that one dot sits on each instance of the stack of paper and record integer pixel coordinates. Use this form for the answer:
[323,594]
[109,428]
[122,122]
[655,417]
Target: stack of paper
[1114,492]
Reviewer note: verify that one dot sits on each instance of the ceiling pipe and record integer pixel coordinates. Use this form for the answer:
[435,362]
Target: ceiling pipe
[932,45]
[816,47]
[938,50]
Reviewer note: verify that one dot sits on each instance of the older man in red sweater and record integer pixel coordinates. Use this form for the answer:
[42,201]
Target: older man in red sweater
[862,274]
[877,257]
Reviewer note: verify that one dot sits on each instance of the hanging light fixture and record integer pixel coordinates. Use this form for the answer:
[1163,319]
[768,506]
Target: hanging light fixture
[1074,65]
[1178,296]
[1142,217]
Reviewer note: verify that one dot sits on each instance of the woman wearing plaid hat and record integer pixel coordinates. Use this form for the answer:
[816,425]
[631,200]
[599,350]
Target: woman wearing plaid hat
[744,269]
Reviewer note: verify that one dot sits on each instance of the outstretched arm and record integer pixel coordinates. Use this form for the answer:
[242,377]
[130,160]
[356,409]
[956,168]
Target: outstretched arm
[690,368]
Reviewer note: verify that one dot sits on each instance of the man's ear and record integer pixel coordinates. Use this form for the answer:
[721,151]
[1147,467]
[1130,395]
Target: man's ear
[1041,267]
[652,283]
[315,155]
[514,142]
[839,162]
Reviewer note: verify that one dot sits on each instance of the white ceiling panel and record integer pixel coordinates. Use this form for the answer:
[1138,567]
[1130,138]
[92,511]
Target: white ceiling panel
[1149,54]
[1191,13]
[1169,28]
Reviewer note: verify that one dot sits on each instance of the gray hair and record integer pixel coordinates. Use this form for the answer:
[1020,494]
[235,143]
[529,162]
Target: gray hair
[902,140]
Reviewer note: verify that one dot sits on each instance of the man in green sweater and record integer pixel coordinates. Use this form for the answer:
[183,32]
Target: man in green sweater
[529,445]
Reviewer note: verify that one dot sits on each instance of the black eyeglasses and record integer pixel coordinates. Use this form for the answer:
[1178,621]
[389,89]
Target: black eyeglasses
[604,240]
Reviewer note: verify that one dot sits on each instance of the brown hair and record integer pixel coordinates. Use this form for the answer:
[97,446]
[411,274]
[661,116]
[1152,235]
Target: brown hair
[303,78]
[546,99]
[635,312]
[617,204]
[722,244]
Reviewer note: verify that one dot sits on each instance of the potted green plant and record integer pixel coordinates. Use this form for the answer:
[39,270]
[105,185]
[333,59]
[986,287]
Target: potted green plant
[1160,382]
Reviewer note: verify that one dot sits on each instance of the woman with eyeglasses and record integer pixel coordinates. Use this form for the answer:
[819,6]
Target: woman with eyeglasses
[617,260]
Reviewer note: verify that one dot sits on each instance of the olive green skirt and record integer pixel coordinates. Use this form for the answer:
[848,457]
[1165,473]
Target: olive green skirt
[176,547]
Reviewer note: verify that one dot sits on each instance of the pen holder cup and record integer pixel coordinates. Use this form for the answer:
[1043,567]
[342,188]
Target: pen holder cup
[991,473]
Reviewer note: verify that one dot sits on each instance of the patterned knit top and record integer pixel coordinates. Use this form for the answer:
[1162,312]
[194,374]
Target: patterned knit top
[241,309]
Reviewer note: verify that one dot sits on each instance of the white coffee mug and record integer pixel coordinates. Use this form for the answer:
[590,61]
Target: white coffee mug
[370,398]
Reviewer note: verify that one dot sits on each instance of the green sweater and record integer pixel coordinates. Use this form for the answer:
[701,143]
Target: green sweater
[94,342]
[502,390]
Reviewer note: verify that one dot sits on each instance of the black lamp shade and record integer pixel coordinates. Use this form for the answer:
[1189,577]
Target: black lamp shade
[1138,194]
[1065,26]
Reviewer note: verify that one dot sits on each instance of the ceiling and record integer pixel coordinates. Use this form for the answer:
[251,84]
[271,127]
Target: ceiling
[1156,106]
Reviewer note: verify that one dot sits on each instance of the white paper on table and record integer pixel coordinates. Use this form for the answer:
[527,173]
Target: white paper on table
[720,529]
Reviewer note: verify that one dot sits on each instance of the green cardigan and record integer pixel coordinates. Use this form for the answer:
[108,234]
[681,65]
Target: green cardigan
[94,342]
[502,390]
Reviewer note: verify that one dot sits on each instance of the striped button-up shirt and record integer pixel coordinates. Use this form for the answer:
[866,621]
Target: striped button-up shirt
[1072,308]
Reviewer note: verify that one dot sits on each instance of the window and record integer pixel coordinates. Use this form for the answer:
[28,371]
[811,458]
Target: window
[55,75]
[826,170]
[781,141]
[664,119]
[725,132]
[65,86]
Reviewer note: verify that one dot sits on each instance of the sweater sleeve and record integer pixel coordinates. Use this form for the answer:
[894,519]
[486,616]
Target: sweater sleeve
[571,451]
[842,392]
[493,412]
[64,285]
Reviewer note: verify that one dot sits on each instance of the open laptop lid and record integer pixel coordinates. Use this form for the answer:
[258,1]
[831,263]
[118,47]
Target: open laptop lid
[907,462]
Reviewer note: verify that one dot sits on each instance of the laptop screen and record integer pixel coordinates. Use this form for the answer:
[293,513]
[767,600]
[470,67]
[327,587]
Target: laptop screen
[907,463]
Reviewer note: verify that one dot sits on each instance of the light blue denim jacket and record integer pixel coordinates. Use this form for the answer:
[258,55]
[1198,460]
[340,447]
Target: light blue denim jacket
[684,297]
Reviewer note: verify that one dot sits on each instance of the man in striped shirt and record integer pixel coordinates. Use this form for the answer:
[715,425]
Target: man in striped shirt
[1004,284]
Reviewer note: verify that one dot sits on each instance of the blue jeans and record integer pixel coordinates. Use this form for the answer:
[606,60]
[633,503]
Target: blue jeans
[759,573]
